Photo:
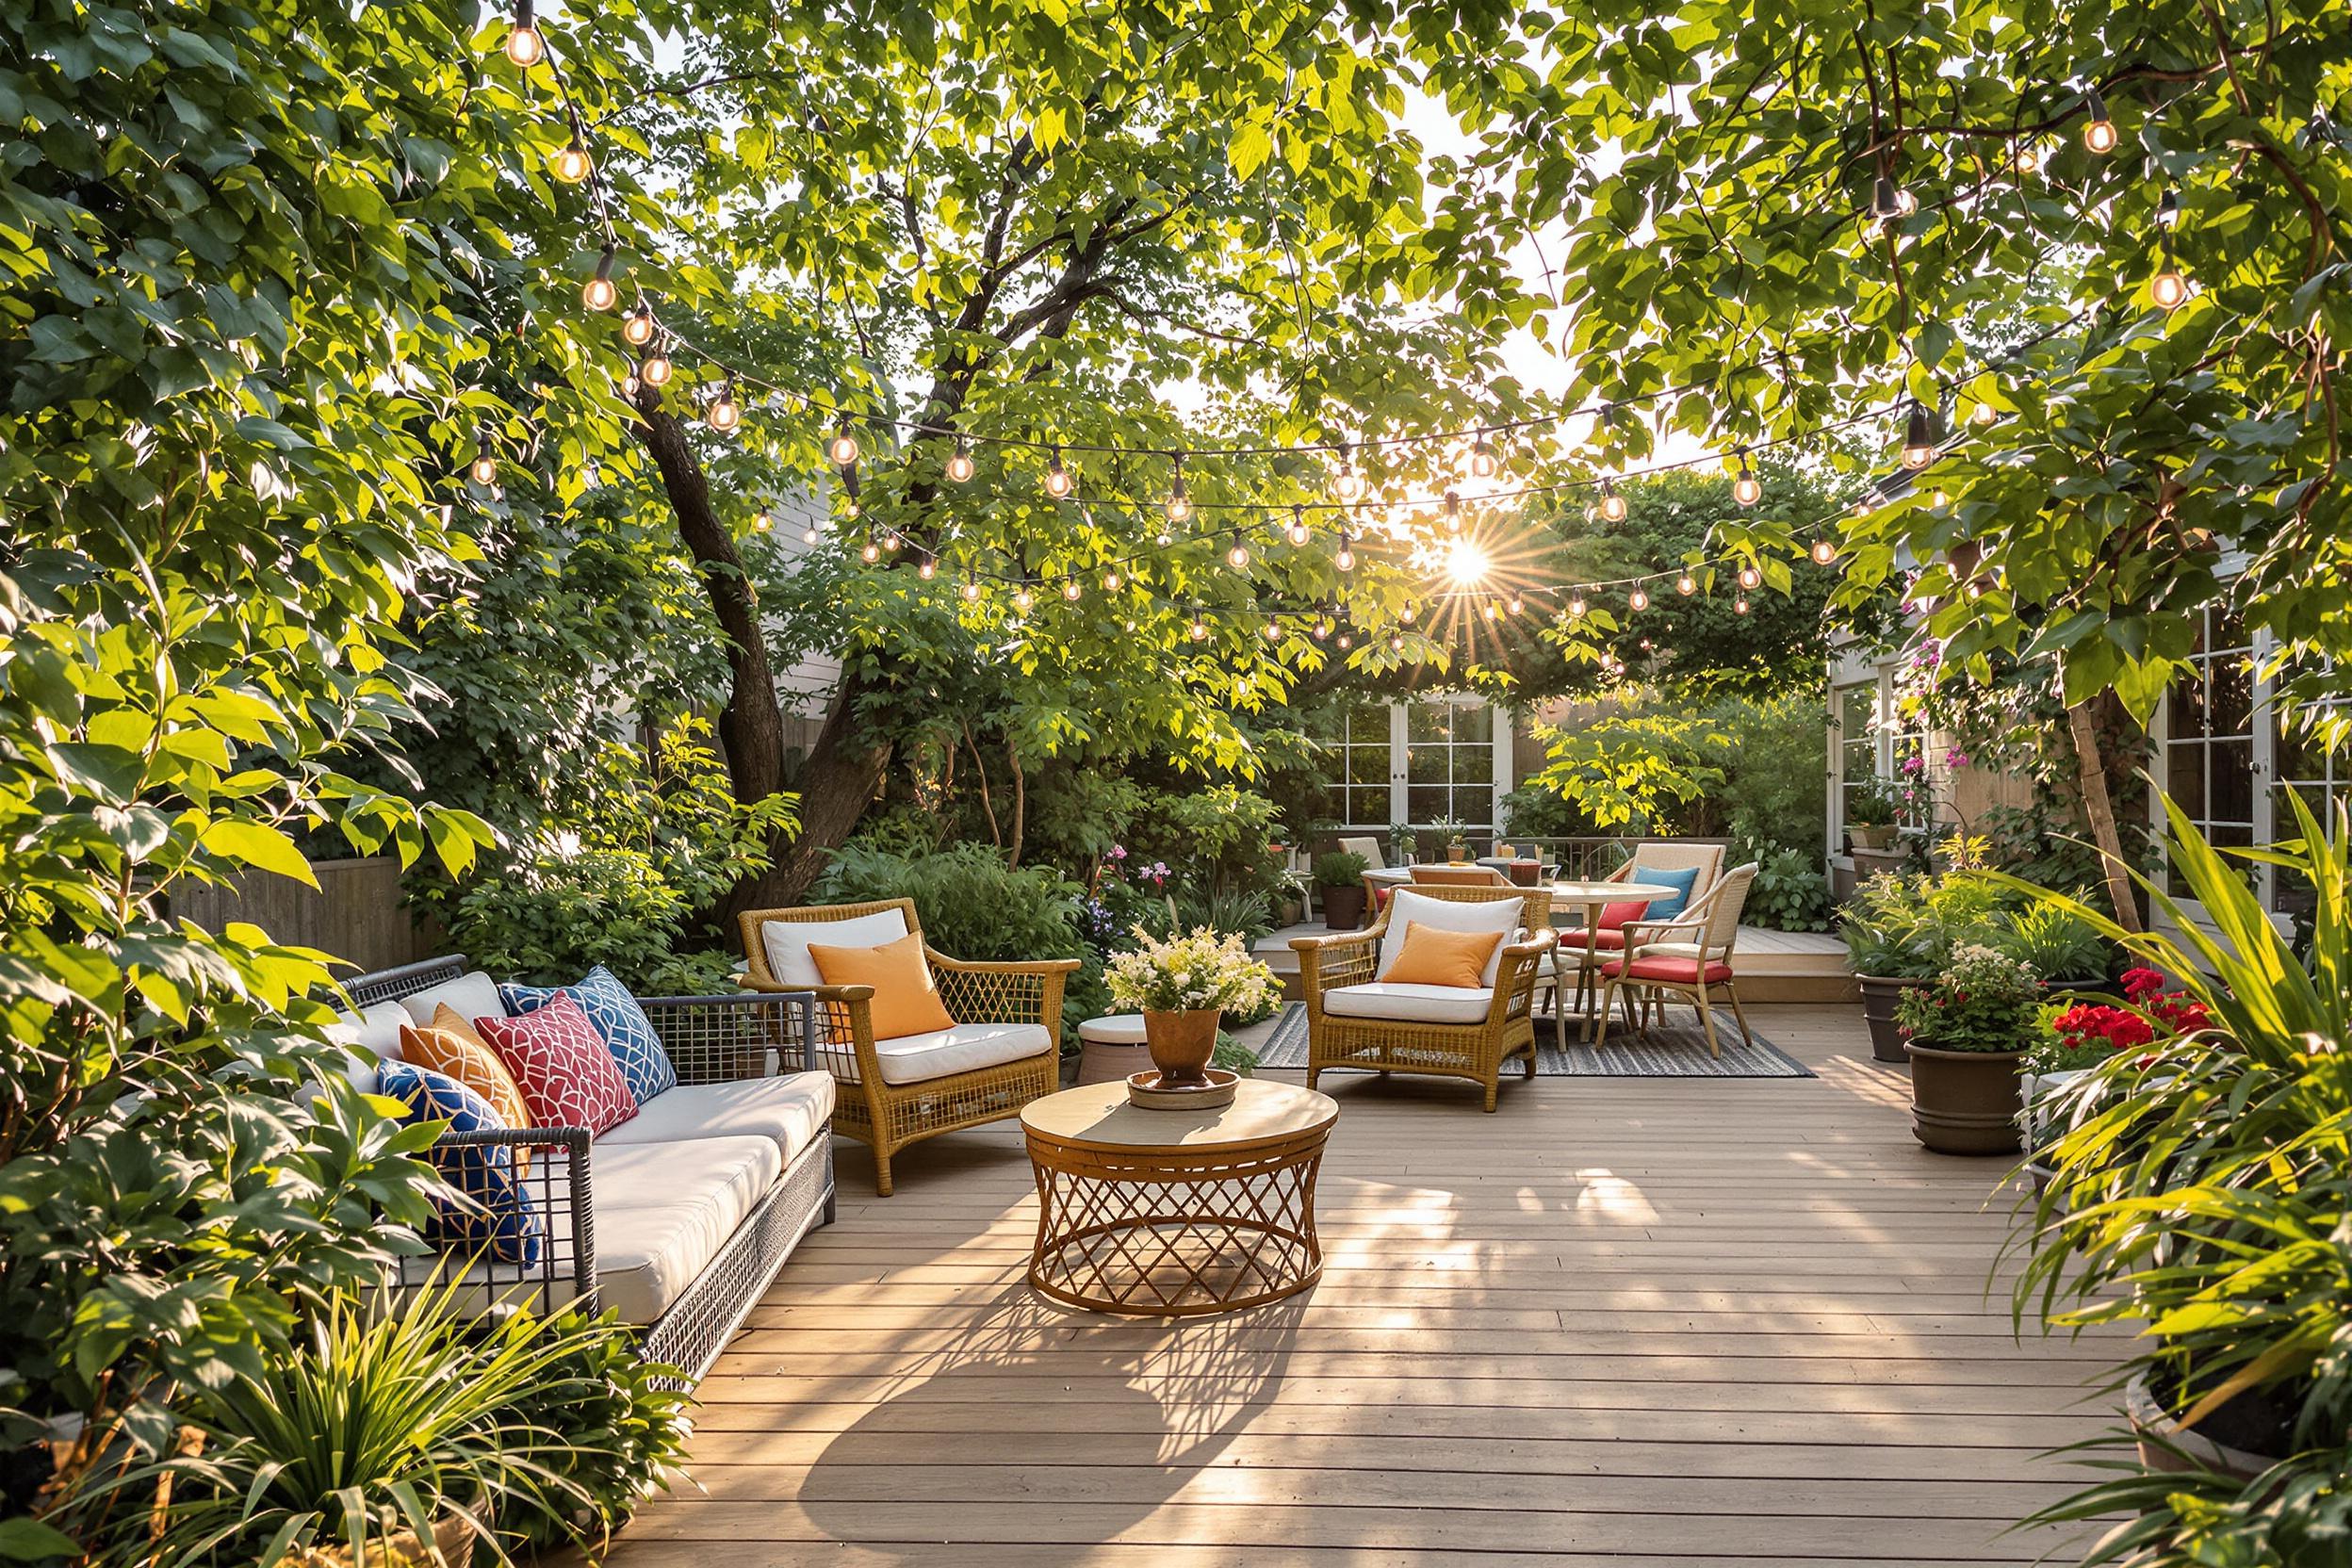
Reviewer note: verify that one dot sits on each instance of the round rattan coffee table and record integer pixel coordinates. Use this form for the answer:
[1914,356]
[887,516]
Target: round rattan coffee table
[1175,1214]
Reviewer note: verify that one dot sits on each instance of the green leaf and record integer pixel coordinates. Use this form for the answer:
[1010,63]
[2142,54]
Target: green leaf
[259,845]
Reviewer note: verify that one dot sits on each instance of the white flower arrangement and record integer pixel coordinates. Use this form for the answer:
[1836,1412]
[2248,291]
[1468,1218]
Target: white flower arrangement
[1198,968]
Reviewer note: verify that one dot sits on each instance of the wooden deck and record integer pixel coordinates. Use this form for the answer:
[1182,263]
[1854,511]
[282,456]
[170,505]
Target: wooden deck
[1639,1323]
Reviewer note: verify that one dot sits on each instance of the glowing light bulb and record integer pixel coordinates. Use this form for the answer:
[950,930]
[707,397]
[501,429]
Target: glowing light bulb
[1273,630]
[1322,632]
[1576,606]
[2168,289]
[639,326]
[573,164]
[971,590]
[600,292]
[1110,582]
[1943,499]
[1823,553]
[1070,590]
[1515,605]
[1346,640]
[1982,413]
[1453,512]
[1198,631]
[1163,538]
[1345,558]
[1685,585]
[892,541]
[1406,615]
[1612,504]
[485,466]
[1057,481]
[724,412]
[1297,533]
[1179,503]
[1746,488]
[1919,438]
[2098,131]
[1023,599]
[1740,605]
[761,521]
[2029,158]
[1397,644]
[843,449]
[928,569]
[654,369]
[959,465]
[524,44]
[1483,461]
[630,383]
[1636,601]
[1750,577]
[872,553]
[1238,557]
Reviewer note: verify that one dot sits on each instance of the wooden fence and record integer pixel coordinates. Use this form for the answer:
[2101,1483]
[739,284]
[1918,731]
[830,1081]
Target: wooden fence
[356,914]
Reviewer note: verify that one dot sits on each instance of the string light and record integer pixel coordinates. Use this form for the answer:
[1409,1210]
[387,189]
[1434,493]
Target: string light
[638,326]
[971,590]
[959,465]
[1345,558]
[1023,598]
[1516,604]
[1198,631]
[1057,481]
[1746,488]
[1612,504]
[2098,133]
[1273,630]
[1238,557]
[1750,577]
[1346,639]
[1685,585]
[573,164]
[1406,615]
[524,45]
[1110,582]
[485,468]
[1823,553]
[630,383]
[654,369]
[2168,289]
[725,412]
[599,293]
[1740,605]
[1179,503]
[1484,462]
[1070,590]
[1919,437]
[843,449]
[1453,512]
[1346,485]
[761,521]
[928,568]
[1297,532]
[1576,606]
[810,534]
[1638,601]
[872,553]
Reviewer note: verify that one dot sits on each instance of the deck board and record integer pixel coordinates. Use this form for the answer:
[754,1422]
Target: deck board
[1632,1322]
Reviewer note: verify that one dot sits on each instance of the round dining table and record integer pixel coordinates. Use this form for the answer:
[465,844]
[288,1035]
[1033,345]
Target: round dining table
[1591,897]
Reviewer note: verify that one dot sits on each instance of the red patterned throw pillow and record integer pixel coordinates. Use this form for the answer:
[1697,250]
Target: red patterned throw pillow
[567,1075]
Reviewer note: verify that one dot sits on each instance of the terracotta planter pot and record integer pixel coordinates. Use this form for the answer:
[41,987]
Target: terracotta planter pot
[452,1539]
[1342,907]
[1181,1043]
[2169,1448]
[1456,855]
[1879,995]
[1966,1102]
[1880,837]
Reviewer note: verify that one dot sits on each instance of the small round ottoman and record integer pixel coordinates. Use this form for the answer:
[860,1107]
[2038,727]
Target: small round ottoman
[1114,1047]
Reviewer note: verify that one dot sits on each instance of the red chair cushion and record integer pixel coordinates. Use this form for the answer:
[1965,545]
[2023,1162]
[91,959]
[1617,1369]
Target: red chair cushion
[1614,916]
[1680,971]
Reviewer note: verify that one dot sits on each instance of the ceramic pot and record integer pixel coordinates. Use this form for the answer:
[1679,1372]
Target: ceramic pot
[2171,1448]
[1342,907]
[452,1546]
[1876,836]
[1181,1043]
[1879,995]
[1966,1102]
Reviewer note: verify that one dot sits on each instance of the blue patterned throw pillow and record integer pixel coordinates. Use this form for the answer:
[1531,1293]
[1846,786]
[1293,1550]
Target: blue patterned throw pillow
[620,1024]
[501,1218]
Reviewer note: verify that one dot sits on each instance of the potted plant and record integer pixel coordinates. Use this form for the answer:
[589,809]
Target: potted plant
[1892,949]
[1339,875]
[1967,1034]
[1870,817]
[1404,844]
[1452,833]
[1182,987]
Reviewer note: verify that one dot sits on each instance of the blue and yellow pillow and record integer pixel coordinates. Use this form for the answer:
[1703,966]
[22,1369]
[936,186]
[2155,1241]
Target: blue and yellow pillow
[619,1023]
[499,1217]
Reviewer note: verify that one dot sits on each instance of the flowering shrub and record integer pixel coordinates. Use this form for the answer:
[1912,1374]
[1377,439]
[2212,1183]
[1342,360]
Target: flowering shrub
[2090,1033]
[1198,968]
[1984,1000]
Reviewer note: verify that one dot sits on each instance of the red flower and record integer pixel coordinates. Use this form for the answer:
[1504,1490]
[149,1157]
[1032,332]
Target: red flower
[2141,982]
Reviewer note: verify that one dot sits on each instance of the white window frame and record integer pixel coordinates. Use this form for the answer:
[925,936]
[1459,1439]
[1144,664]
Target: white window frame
[1886,736]
[1502,739]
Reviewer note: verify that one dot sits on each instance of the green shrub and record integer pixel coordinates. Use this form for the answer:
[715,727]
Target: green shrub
[1775,786]
[1216,836]
[2055,941]
[1789,892]
[1340,868]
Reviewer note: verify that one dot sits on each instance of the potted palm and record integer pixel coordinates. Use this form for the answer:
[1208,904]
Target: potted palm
[2201,1189]
[1182,987]
[1339,876]
[1967,1034]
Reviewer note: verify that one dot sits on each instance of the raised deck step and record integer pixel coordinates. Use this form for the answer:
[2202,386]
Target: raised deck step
[1773,966]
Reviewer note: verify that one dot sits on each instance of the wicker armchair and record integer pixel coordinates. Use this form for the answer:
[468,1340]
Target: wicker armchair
[1475,1049]
[887,1116]
[1688,957]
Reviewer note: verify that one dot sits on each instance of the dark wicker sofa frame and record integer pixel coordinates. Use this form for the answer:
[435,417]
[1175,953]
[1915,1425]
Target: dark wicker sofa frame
[709,1039]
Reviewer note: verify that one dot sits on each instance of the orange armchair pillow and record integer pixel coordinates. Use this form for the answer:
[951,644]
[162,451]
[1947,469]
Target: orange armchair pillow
[906,999]
[1434,957]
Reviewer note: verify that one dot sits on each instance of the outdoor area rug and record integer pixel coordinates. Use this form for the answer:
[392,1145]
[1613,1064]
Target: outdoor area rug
[1675,1049]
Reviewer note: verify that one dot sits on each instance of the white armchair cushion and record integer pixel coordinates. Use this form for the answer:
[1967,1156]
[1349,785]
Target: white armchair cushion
[471,995]
[786,942]
[368,1037]
[965,1048]
[1407,907]
[790,1111]
[1411,1004]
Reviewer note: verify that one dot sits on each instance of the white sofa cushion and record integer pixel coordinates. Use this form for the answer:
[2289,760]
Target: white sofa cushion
[1407,907]
[1411,1004]
[792,1110]
[368,1037]
[786,942]
[919,1058]
[471,995]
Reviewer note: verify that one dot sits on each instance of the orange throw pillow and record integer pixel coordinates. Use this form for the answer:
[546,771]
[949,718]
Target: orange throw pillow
[449,1047]
[905,1001]
[1434,957]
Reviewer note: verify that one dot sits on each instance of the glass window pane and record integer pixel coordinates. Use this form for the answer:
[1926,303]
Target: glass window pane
[1426,803]
[1474,725]
[1474,764]
[2185,709]
[1368,725]
[2184,776]
[1368,765]
[1426,764]
[2232,698]
[1475,808]
[2230,782]
[1425,722]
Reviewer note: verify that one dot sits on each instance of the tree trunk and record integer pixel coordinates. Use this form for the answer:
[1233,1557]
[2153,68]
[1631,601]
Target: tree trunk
[1021,806]
[2099,805]
[980,772]
[845,771]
